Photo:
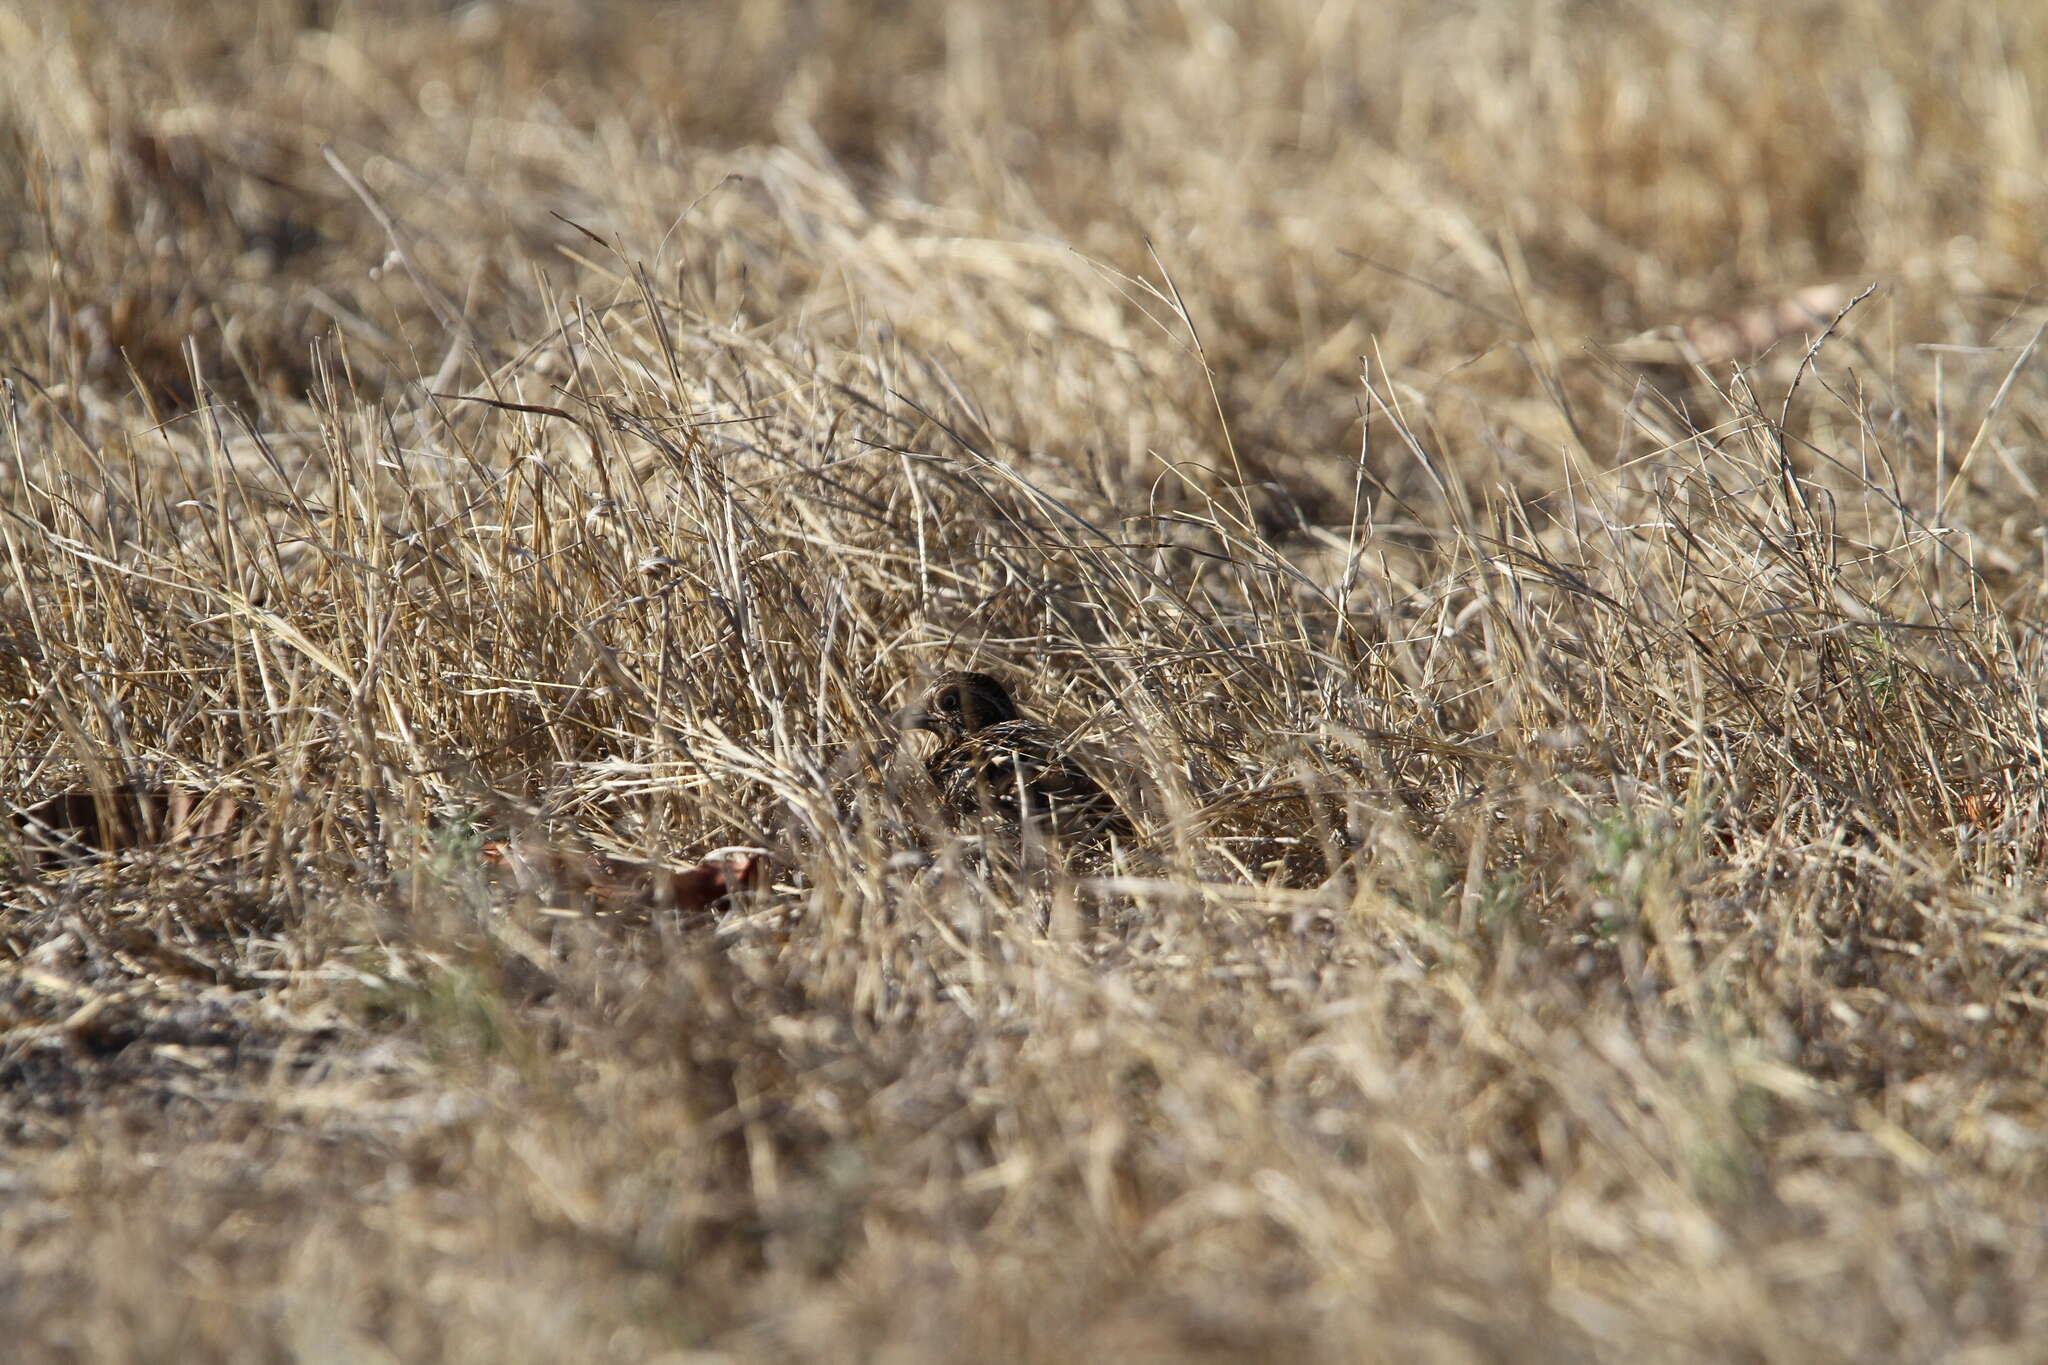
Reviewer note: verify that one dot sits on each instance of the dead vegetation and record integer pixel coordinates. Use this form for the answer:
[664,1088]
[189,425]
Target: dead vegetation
[458,461]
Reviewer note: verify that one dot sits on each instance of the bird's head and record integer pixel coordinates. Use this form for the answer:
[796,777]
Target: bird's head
[957,704]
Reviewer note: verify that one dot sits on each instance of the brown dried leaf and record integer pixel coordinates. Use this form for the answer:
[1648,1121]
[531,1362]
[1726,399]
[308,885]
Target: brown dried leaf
[87,821]
[622,882]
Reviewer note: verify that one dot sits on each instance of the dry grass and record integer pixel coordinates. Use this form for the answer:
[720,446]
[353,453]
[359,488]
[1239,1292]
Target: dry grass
[1252,381]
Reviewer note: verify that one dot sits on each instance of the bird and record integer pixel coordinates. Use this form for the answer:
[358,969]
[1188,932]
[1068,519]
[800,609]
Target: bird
[994,766]
[997,772]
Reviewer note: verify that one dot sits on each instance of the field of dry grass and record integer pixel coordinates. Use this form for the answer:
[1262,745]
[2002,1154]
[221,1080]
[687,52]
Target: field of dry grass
[1573,469]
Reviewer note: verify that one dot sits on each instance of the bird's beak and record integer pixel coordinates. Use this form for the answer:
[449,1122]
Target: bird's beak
[913,717]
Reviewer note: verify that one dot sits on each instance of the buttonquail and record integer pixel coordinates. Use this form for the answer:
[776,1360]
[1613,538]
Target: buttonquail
[992,764]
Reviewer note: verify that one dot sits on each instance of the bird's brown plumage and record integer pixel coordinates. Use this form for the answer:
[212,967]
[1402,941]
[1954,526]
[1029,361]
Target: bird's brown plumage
[993,764]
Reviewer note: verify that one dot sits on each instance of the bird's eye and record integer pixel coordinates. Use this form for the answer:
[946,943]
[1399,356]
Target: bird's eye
[950,702]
